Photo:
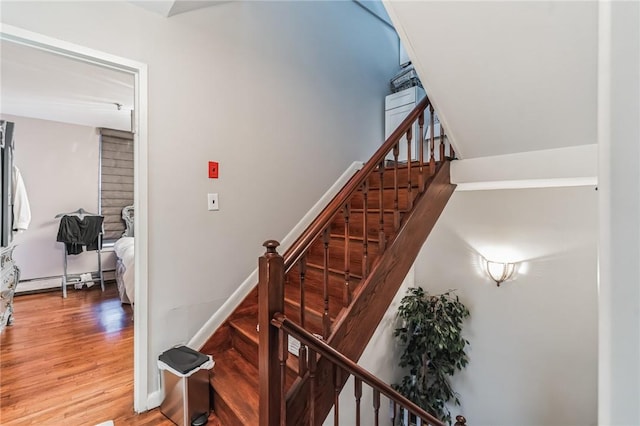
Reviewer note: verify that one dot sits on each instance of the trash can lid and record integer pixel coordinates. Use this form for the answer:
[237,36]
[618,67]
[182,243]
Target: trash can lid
[183,359]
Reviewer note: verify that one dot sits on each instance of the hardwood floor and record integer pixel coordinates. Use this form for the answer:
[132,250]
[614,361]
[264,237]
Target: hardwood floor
[70,361]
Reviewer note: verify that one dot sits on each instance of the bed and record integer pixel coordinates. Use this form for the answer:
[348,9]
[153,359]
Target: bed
[124,250]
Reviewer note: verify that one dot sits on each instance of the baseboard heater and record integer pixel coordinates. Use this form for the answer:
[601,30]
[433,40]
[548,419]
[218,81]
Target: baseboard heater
[34,285]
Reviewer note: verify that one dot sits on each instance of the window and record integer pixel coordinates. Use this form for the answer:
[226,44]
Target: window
[116,179]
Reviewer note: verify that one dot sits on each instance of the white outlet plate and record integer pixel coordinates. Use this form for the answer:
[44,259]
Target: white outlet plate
[212,202]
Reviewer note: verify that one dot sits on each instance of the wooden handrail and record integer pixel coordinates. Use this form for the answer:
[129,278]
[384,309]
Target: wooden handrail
[299,247]
[350,367]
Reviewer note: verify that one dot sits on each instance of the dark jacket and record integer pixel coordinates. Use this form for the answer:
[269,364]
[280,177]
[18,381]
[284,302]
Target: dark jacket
[76,232]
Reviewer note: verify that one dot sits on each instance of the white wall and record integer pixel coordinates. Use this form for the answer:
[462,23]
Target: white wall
[533,351]
[285,95]
[59,163]
[619,239]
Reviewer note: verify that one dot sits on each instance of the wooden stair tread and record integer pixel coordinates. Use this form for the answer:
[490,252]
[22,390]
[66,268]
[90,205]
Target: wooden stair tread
[214,420]
[235,381]
[247,326]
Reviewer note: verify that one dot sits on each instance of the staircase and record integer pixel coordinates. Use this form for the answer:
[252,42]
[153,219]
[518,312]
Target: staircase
[338,279]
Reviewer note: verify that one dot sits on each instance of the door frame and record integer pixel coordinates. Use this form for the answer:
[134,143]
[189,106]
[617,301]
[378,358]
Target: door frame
[139,128]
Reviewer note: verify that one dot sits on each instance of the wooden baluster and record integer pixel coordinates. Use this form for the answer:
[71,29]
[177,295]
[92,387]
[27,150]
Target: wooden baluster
[312,386]
[326,320]
[452,153]
[381,236]
[432,142]
[421,181]
[303,362]
[376,405]
[283,354]
[357,391]
[442,147]
[336,395]
[303,272]
[270,301]
[394,413]
[346,296]
[396,212]
[365,232]
[409,189]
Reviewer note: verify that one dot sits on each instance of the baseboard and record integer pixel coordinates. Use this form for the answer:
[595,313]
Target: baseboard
[154,399]
[216,320]
[55,282]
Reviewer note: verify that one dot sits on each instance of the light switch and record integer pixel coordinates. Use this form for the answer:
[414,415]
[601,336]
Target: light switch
[212,202]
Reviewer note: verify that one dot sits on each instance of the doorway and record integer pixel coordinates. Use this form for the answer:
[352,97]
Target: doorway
[139,127]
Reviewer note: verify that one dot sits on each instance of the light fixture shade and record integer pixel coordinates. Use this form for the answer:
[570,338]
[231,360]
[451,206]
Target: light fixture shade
[500,272]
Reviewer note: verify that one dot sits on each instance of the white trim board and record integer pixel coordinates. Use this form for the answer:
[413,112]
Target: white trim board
[216,320]
[139,71]
[569,166]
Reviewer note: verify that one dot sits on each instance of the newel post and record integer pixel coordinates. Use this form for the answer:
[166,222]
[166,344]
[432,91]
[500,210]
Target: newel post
[270,301]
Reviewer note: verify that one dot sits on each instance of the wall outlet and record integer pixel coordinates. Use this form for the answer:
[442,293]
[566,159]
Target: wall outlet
[212,202]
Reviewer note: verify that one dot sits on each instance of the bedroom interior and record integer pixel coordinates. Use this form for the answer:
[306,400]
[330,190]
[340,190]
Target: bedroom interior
[74,145]
[59,110]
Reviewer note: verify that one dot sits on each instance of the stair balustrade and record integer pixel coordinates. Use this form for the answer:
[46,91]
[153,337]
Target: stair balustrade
[355,197]
[403,411]
[391,190]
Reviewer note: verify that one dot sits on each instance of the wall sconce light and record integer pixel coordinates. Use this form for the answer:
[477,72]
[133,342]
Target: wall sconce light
[500,272]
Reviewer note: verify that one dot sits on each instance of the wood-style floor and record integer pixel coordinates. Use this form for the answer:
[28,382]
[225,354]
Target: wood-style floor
[70,361]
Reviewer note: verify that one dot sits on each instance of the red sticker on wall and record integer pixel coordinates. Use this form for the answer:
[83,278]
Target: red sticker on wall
[213,170]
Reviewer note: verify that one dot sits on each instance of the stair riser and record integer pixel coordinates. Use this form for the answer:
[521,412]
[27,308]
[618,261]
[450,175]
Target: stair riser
[314,281]
[224,412]
[336,255]
[388,198]
[374,180]
[314,297]
[312,321]
[246,347]
[220,342]
[356,224]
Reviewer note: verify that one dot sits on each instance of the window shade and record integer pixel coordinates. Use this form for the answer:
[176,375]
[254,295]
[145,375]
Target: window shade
[116,179]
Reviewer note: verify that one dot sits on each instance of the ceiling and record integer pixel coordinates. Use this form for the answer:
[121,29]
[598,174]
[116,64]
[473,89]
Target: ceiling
[169,8]
[39,84]
[506,77]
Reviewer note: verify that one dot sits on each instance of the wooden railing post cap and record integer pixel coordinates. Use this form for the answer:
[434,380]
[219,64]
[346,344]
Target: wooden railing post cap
[271,246]
[460,421]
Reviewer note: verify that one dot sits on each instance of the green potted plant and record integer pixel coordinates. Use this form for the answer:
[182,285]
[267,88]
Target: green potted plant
[433,348]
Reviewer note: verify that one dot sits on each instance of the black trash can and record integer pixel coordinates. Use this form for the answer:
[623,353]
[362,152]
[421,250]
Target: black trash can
[185,375]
